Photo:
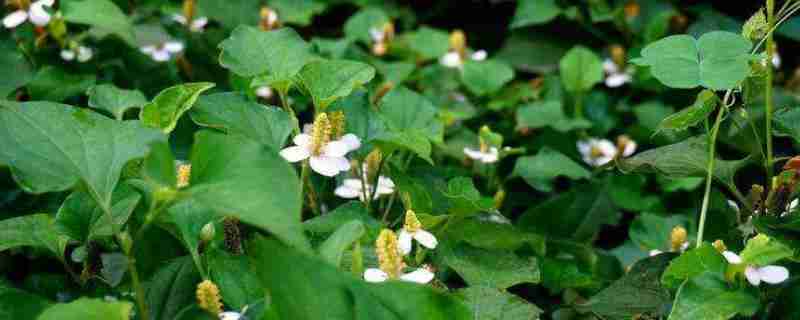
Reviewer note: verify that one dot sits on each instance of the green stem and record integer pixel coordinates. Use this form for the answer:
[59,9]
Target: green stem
[579,105]
[137,285]
[305,185]
[710,174]
[284,96]
[768,98]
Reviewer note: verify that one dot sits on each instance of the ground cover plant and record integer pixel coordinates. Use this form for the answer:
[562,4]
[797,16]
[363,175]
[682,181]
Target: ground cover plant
[309,159]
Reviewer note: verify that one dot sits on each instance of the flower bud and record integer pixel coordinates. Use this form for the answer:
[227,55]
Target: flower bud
[618,55]
[677,238]
[184,172]
[632,10]
[188,10]
[208,297]
[207,233]
[458,41]
[720,246]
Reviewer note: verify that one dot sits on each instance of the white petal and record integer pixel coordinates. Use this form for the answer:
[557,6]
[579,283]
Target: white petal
[773,274]
[295,153]
[326,166]
[352,141]
[343,163]
[230,315]
[606,147]
[490,157]
[732,257]
[733,205]
[752,275]
[15,18]
[160,55]
[385,182]
[479,55]
[376,34]
[451,60]
[616,80]
[46,3]
[85,54]
[375,275]
[776,60]
[179,18]
[347,192]
[585,147]
[335,149]
[38,15]
[198,24]
[404,241]
[630,148]
[473,154]
[264,92]
[793,205]
[353,183]
[599,161]
[426,239]
[67,55]
[609,66]
[384,188]
[655,252]
[173,46]
[303,140]
[149,50]
[420,275]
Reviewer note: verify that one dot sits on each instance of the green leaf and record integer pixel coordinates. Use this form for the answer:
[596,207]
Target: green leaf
[404,110]
[486,77]
[115,100]
[343,214]
[357,26]
[488,303]
[652,231]
[236,176]
[763,250]
[548,113]
[81,219]
[233,113]
[581,214]
[170,104]
[72,145]
[35,230]
[328,80]
[540,170]
[276,55]
[237,282]
[297,12]
[496,269]
[414,141]
[88,309]
[687,158]
[17,70]
[691,116]
[333,248]
[709,297]
[328,293]
[189,217]
[580,70]
[533,12]
[693,263]
[172,288]
[464,199]
[18,304]
[102,15]
[56,84]
[231,15]
[428,43]
[637,292]
[718,60]
[787,123]
[485,234]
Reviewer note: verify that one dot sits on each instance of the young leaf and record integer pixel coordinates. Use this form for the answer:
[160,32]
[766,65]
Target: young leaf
[651,231]
[540,170]
[297,12]
[15,66]
[71,145]
[170,104]
[428,43]
[81,219]
[464,199]
[328,80]
[580,70]
[233,113]
[717,61]
[689,117]
[115,100]
[88,309]
[235,176]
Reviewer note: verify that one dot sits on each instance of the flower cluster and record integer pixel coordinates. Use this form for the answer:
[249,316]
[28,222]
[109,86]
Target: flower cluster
[381,38]
[598,152]
[458,53]
[390,249]
[325,145]
[367,185]
[35,13]
[771,274]
[617,73]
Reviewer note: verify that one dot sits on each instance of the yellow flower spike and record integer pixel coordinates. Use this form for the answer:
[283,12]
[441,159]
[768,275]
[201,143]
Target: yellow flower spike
[618,55]
[188,10]
[720,246]
[337,121]
[458,41]
[184,173]
[389,258]
[677,238]
[320,133]
[373,161]
[388,31]
[412,223]
[208,297]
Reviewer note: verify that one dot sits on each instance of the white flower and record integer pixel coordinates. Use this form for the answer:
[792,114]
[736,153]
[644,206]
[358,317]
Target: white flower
[489,156]
[82,54]
[453,59]
[629,146]
[733,205]
[776,60]
[329,161]
[353,188]
[230,315]
[413,230]
[655,252]
[421,275]
[35,13]
[196,25]
[770,274]
[162,52]
[264,92]
[597,152]
[376,34]
[615,77]
[352,141]
[479,55]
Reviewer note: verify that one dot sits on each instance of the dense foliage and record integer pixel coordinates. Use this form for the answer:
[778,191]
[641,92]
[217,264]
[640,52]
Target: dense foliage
[311,159]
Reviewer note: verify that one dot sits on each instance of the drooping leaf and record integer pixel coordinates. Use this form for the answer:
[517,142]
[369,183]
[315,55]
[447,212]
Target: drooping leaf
[115,100]
[328,80]
[693,263]
[717,60]
[414,141]
[496,269]
[276,55]
[489,303]
[102,15]
[328,293]
[486,77]
[88,309]
[236,176]
[709,297]
[71,145]
[35,230]
[170,104]
[333,248]
[534,12]
[580,70]
[234,114]
[540,170]
[691,116]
